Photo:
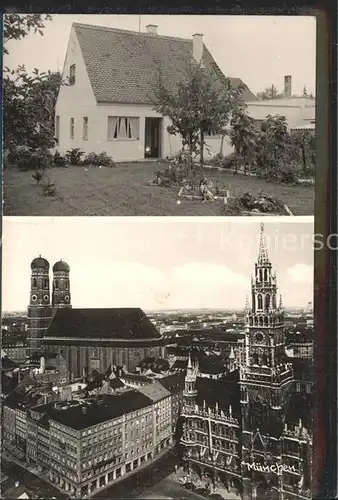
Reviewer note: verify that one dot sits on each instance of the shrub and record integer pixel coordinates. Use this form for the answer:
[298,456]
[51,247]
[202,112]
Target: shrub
[38,175]
[48,188]
[74,156]
[41,159]
[283,172]
[101,159]
[59,160]
[26,158]
[228,161]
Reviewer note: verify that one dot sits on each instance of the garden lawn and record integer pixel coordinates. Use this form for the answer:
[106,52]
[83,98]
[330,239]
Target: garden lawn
[124,191]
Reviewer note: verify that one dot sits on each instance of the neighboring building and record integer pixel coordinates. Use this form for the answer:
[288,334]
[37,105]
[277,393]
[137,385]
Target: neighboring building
[107,105]
[14,416]
[162,419]
[300,112]
[175,385]
[83,446]
[7,365]
[135,380]
[88,339]
[257,417]
[15,346]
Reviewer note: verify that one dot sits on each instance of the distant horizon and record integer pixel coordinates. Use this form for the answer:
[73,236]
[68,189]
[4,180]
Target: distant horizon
[189,264]
[164,311]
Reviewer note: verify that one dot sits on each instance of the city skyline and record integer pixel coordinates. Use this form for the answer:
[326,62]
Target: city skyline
[158,265]
[233,40]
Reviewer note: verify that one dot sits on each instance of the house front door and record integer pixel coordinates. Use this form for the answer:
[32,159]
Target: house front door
[152,144]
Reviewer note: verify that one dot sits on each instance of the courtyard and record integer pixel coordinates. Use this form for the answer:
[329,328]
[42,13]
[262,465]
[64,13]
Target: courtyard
[124,191]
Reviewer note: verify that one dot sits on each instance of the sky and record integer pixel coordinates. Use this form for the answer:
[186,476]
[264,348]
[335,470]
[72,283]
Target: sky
[158,263]
[260,50]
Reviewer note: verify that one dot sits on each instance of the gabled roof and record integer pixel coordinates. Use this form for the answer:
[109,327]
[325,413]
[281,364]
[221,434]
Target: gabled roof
[122,66]
[155,391]
[124,323]
[7,364]
[224,392]
[136,377]
[173,383]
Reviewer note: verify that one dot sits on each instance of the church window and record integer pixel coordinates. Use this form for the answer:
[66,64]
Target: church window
[67,285]
[259,302]
[34,283]
[46,283]
[267,301]
[266,321]
[56,284]
[265,275]
[260,275]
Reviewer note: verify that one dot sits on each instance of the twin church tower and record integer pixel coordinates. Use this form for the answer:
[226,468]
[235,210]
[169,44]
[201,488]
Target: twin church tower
[42,306]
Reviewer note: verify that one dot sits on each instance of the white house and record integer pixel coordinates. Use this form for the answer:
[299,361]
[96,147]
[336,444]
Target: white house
[300,112]
[107,105]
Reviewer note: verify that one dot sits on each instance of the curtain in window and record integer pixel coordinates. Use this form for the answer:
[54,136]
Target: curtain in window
[112,132]
[122,132]
[123,127]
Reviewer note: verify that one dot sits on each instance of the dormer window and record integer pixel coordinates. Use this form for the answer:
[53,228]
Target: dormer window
[72,74]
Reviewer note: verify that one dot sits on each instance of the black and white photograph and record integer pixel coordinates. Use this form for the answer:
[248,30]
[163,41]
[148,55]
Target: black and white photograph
[157,358]
[159,115]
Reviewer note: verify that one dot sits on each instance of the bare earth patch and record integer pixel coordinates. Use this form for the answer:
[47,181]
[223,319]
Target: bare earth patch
[124,190]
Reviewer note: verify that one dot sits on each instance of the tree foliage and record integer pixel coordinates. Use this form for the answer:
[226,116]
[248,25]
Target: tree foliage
[29,106]
[269,93]
[243,137]
[271,150]
[201,103]
[18,26]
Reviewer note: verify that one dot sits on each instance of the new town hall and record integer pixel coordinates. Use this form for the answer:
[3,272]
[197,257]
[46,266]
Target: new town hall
[251,431]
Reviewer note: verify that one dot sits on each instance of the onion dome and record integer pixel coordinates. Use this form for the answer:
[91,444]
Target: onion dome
[61,266]
[40,263]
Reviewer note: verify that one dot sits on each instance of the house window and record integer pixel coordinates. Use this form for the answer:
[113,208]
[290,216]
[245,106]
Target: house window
[72,74]
[72,127]
[85,128]
[57,129]
[123,128]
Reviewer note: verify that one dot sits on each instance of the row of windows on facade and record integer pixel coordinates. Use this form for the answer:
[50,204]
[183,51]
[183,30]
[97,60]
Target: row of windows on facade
[118,128]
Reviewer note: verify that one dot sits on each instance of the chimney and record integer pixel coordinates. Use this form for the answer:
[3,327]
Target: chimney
[287,86]
[197,47]
[152,29]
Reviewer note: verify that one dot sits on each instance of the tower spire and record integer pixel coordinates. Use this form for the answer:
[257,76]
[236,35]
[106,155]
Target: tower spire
[263,253]
[189,361]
